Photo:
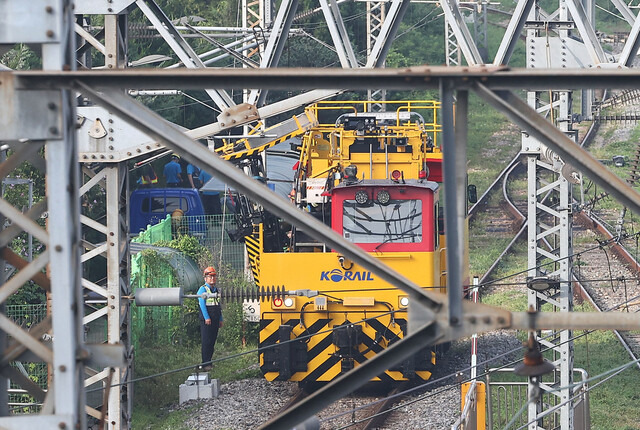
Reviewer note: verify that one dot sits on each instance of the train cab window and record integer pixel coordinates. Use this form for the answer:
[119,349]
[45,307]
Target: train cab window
[398,221]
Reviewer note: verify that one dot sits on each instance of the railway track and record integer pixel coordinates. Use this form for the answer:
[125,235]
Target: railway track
[364,409]
[608,274]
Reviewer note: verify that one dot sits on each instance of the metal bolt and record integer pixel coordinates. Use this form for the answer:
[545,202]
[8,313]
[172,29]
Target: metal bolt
[58,248]
[51,106]
[49,33]
[111,147]
[62,368]
[48,9]
[62,425]
[53,130]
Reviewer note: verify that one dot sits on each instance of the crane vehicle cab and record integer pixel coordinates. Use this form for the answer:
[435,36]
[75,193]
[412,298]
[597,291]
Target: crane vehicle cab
[375,179]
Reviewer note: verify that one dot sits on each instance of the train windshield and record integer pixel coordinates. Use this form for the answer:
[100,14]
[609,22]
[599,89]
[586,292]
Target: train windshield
[398,221]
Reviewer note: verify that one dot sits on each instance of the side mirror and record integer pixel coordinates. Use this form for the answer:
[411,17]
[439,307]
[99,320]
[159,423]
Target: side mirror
[472,193]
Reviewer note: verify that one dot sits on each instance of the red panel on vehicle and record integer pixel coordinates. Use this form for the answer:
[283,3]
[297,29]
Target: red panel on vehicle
[435,170]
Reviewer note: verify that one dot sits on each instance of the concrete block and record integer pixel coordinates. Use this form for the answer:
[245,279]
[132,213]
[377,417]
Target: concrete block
[199,386]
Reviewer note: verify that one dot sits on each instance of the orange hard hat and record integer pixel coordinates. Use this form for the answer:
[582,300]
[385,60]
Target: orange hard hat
[209,271]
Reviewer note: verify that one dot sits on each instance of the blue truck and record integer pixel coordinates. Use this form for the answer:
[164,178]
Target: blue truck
[148,206]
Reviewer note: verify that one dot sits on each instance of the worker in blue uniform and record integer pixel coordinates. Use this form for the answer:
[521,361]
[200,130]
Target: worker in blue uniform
[173,171]
[196,176]
[210,317]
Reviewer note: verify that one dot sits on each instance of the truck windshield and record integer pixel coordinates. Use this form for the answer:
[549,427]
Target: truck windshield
[399,221]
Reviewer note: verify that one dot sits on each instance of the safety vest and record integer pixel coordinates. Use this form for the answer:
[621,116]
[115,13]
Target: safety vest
[149,176]
[211,301]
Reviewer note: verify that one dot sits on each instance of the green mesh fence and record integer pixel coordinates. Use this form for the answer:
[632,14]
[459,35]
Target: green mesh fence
[151,269]
[211,231]
[161,267]
[19,401]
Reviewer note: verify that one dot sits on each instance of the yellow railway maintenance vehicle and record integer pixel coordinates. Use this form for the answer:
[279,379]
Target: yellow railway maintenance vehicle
[374,178]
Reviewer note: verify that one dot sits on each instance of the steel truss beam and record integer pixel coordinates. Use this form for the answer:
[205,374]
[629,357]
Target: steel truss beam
[432,310]
[109,186]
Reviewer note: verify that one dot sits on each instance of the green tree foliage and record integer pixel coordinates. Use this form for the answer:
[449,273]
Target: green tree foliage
[21,57]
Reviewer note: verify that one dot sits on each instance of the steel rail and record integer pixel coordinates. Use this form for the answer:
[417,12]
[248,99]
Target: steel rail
[584,293]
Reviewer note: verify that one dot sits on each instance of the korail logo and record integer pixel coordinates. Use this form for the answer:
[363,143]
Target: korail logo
[337,275]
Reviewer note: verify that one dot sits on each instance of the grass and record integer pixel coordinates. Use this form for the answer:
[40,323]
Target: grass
[486,149]
[153,396]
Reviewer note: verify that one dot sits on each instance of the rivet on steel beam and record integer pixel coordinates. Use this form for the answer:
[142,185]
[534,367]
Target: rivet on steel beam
[62,368]
[48,9]
[49,33]
[58,248]
[53,130]
[51,106]
[62,425]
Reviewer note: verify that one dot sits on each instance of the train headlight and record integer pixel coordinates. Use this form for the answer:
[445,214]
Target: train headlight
[362,198]
[404,301]
[288,302]
[383,197]
[277,302]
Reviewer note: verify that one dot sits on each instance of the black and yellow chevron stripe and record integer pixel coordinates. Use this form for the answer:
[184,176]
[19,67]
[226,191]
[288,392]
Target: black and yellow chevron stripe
[258,149]
[323,363]
[253,245]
